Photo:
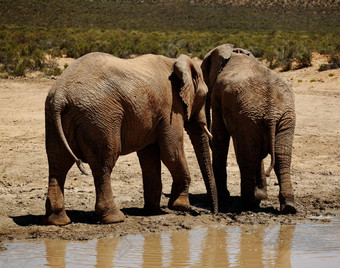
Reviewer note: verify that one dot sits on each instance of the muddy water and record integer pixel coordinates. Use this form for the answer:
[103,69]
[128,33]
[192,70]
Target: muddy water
[312,244]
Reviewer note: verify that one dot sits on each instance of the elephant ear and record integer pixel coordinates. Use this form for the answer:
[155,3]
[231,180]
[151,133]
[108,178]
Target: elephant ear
[185,70]
[214,61]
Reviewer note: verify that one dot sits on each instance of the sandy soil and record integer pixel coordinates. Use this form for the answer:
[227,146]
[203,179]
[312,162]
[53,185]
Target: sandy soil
[23,169]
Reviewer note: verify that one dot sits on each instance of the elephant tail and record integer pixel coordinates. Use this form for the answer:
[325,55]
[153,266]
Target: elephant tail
[57,110]
[272,130]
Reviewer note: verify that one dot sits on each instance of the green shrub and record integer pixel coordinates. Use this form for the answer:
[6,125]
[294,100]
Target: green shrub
[323,67]
[20,69]
[281,49]
[333,63]
[54,71]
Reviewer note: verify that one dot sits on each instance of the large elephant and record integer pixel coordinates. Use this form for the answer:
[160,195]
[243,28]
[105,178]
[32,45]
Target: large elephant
[102,107]
[254,106]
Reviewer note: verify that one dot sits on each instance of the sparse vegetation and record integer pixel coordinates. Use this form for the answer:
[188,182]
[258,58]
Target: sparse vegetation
[333,63]
[30,30]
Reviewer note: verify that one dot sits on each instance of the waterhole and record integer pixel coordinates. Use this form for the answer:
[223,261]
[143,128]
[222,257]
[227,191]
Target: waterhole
[311,244]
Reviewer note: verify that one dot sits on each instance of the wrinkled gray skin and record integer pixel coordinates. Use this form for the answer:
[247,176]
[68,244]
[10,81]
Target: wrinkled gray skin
[102,107]
[254,106]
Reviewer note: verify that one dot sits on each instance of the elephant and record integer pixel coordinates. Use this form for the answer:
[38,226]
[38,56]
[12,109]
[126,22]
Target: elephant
[102,107]
[255,106]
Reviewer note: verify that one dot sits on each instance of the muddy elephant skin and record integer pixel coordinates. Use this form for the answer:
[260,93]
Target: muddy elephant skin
[102,107]
[254,106]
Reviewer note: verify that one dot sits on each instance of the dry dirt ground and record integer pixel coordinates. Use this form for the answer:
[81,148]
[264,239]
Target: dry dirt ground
[23,169]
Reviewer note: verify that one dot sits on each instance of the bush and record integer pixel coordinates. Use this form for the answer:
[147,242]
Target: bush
[55,71]
[281,49]
[333,63]
[21,68]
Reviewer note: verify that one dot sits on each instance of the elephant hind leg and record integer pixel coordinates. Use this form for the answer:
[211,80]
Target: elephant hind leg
[150,162]
[286,196]
[220,148]
[55,206]
[248,185]
[59,162]
[283,152]
[249,161]
[101,164]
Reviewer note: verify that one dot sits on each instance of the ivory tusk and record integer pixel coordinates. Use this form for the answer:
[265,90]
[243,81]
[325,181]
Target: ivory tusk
[207,131]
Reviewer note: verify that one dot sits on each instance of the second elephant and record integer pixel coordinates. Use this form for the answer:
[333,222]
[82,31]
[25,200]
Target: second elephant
[254,106]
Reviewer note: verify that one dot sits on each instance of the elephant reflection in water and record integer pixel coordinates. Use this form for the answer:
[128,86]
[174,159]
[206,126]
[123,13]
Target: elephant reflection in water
[242,246]
[56,252]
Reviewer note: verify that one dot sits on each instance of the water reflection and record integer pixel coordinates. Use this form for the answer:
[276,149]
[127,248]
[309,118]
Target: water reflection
[56,252]
[246,246]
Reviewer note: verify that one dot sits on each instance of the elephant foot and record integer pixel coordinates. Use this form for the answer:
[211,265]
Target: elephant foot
[250,203]
[260,193]
[59,219]
[287,204]
[288,207]
[223,198]
[152,210]
[181,203]
[113,217]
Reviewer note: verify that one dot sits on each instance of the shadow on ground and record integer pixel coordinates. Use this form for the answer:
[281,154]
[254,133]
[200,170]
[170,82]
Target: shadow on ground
[199,203]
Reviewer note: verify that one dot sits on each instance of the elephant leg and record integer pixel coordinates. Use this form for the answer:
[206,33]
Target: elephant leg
[283,153]
[248,171]
[261,183]
[55,206]
[59,163]
[174,160]
[247,151]
[150,162]
[101,165]
[220,147]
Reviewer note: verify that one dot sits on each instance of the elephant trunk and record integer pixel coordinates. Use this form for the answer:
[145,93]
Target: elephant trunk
[200,142]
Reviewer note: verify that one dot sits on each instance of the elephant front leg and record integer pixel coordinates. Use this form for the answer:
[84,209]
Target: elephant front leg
[106,208]
[261,184]
[177,165]
[150,162]
[55,206]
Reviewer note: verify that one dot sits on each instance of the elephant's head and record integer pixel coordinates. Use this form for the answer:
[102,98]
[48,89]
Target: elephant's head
[214,61]
[187,79]
[212,64]
[191,87]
